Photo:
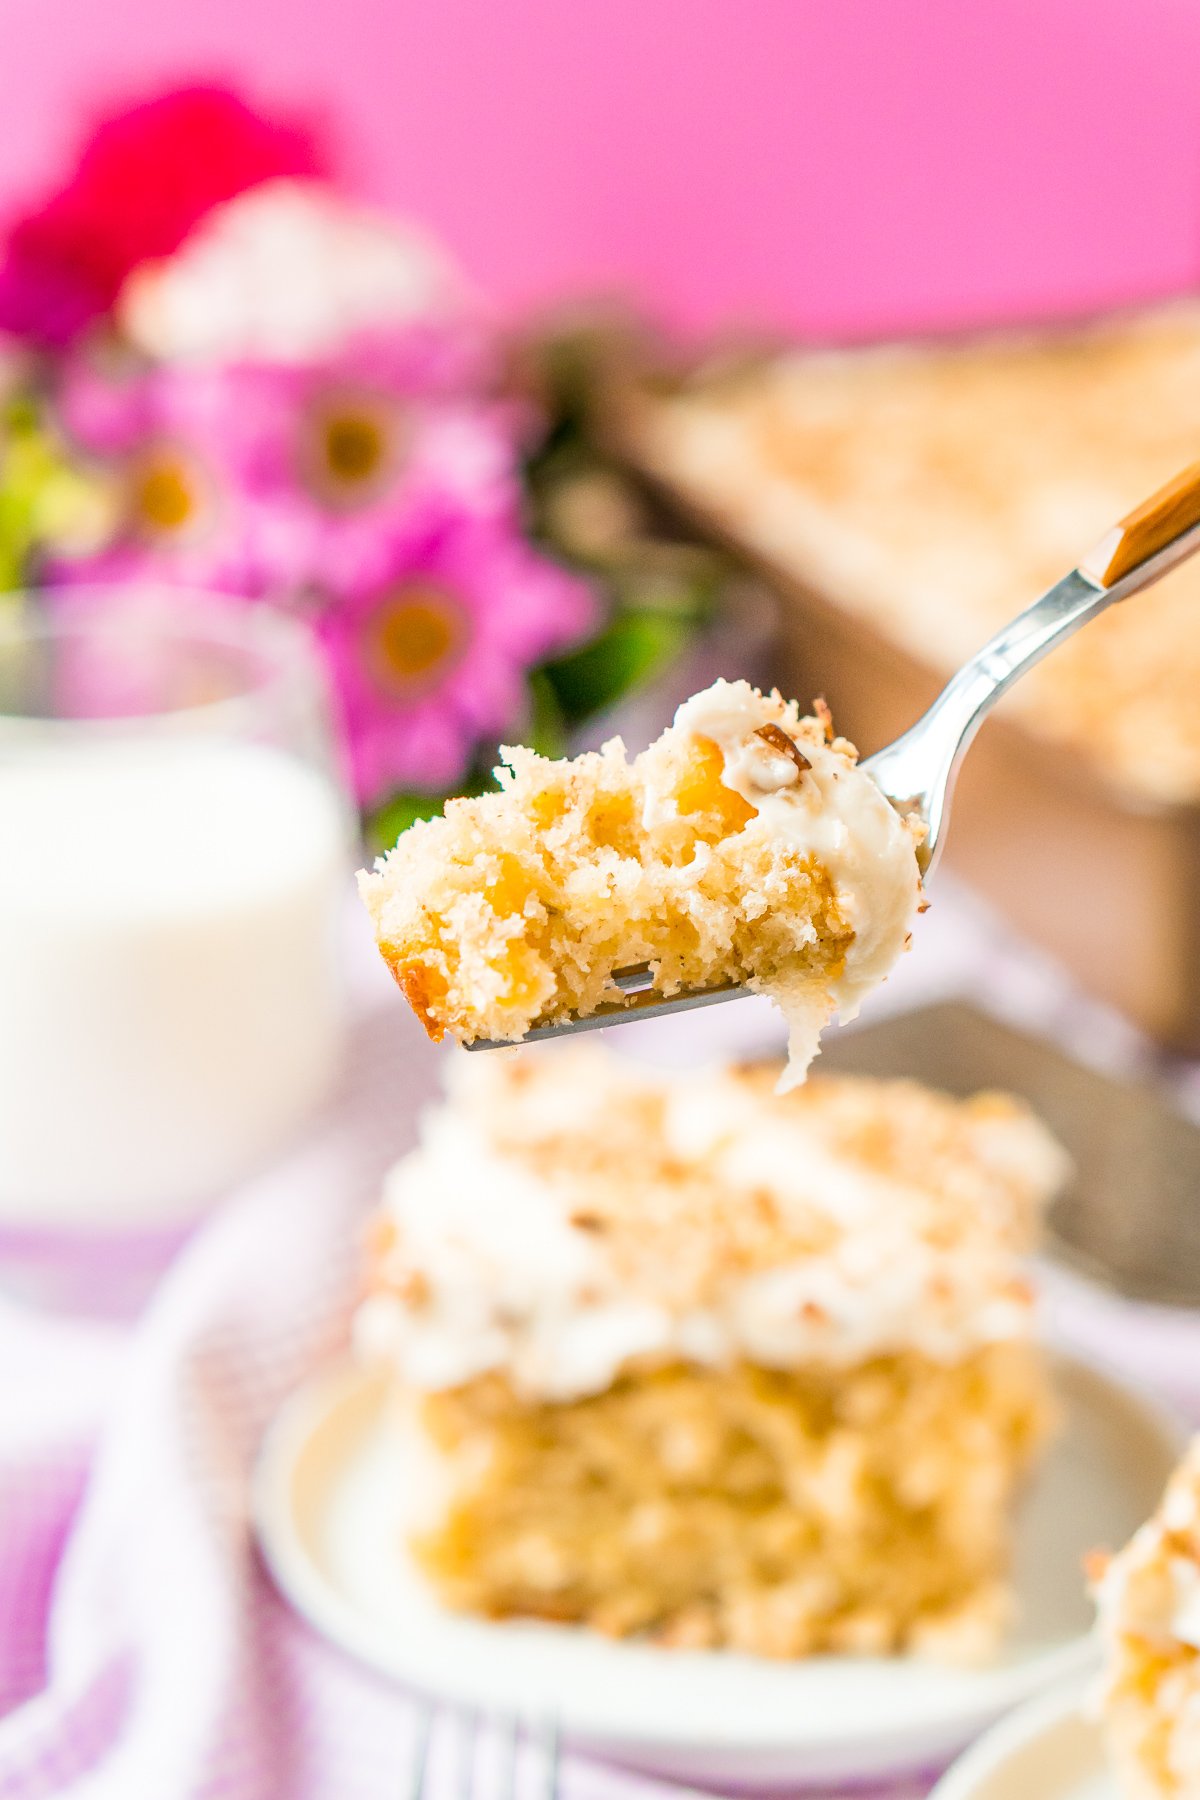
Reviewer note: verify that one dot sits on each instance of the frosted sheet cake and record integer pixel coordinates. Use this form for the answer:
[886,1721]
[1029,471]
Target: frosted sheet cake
[745,845]
[1149,1600]
[691,1358]
[935,490]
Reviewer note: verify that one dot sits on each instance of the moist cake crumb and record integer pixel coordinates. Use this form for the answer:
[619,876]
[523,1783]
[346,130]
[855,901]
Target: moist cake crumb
[744,846]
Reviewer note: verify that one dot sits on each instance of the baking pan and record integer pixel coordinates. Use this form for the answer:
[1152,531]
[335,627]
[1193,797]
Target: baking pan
[1130,1217]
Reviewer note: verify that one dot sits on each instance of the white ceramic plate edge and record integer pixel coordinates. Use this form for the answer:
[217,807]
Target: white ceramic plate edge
[977,1773]
[709,1754]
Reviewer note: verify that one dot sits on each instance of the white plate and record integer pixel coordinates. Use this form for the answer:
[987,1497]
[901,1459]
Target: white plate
[1047,1749]
[325,1504]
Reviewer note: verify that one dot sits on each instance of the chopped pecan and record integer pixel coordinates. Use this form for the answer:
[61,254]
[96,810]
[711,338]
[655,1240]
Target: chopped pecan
[779,740]
[587,1221]
[380,1236]
[1095,1565]
[822,712]
[412,1287]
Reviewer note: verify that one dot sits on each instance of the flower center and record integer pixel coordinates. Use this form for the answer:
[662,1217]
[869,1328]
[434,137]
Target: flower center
[354,446]
[415,636]
[165,495]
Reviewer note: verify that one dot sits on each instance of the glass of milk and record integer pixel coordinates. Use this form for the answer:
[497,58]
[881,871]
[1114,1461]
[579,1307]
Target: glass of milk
[174,851]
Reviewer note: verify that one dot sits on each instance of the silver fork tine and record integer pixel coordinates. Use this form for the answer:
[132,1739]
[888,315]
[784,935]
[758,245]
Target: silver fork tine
[463,1729]
[464,1773]
[419,1759]
[640,1005]
[549,1759]
[510,1740]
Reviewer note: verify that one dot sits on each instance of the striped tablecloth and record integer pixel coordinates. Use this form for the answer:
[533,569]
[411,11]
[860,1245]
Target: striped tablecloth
[144,1654]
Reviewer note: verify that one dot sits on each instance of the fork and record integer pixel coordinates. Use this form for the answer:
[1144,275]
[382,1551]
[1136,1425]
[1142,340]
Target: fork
[916,772]
[462,1731]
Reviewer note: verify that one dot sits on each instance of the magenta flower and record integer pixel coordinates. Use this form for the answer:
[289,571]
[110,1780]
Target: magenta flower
[170,447]
[273,479]
[431,643]
[366,438]
[367,493]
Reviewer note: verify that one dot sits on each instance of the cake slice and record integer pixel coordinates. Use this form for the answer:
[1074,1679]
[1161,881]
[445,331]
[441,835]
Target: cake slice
[744,846]
[1149,1599]
[689,1358]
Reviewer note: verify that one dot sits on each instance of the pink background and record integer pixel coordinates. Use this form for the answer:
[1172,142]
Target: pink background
[828,165]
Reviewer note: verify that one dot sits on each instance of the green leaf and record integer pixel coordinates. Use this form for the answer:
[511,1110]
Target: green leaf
[546,732]
[635,648]
[388,821]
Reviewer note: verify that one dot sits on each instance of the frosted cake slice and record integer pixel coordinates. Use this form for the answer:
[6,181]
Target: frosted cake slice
[744,846]
[1149,1599]
[690,1358]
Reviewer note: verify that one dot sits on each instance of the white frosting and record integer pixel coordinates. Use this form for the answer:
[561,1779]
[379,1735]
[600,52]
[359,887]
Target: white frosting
[1152,1589]
[1149,1602]
[507,1282]
[1150,1617]
[834,813]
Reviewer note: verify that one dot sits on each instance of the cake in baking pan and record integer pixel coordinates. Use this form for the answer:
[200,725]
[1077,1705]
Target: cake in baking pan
[933,491]
[744,846]
[686,1357]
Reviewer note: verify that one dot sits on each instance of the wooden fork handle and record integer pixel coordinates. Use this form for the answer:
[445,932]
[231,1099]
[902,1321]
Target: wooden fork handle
[1145,531]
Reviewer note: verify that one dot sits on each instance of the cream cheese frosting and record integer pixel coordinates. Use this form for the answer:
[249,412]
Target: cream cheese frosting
[1149,1612]
[832,811]
[1152,1589]
[560,1224]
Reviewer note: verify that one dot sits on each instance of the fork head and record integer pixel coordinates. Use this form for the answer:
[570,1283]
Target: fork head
[641,1002]
[917,785]
[459,1735]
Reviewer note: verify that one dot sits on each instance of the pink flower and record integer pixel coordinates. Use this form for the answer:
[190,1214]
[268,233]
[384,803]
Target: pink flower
[174,445]
[431,644]
[370,493]
[143,180]
[283,474]
[383,430]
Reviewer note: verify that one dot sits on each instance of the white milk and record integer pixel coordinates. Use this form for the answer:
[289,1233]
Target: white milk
[169,994]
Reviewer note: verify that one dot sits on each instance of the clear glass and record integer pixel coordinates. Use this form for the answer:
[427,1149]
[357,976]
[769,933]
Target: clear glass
[174,850]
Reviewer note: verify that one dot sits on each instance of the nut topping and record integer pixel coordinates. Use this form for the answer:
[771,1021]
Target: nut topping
[412,1287]
[779,740]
